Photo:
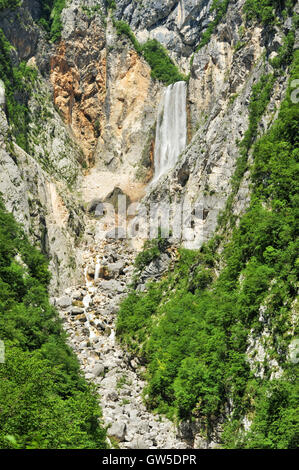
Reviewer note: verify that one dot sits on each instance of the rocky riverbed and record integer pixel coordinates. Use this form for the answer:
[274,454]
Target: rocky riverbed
[89,314]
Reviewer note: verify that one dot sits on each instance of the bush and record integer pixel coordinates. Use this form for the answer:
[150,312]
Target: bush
[266,11]
[18,83]
[163,68]
[152,250]
[123,28]
[50,18]
[44,400]
[11,4]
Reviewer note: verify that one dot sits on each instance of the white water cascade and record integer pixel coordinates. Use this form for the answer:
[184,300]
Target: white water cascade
[97,270]
[171,132]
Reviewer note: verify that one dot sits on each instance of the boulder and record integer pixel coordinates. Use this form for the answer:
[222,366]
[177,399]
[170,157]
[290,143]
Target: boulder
[118,430]
[112,286]
[98,370]
[112,396]
[64,302]
[77,311]
[91,271]
[140,443]
[115,269]
[77,295]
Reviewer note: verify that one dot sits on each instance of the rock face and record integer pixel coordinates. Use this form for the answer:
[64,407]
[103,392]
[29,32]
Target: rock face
[78,75]
[44,208]
[219,92]
[177,24]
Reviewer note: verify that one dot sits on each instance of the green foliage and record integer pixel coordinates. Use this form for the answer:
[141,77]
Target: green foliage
[44,401]
[91,11]
[11,4]
[50,18]
[261,93]
[276,424]
[151,251]
[285,53]
[267,11]
[192,328]
[259,100]
[163,68]
[123,28]
[18,83]
[111,4]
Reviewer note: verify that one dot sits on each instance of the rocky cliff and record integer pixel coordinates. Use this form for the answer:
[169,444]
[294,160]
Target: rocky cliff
[90,115]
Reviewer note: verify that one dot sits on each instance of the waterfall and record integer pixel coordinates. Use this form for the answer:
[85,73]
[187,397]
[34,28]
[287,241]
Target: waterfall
[87,299]
[171,132]
[97,271]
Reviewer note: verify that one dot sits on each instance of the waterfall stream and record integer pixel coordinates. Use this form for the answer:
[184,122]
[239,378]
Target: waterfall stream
[171,131]
[97,271]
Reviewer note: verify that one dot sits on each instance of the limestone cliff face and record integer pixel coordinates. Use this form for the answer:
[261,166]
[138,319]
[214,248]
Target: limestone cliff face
[103,91]
[40,187]
[132,98]
[44,207]
[177,24]
[92,115]
[78,76]
[220,86]
[95,103]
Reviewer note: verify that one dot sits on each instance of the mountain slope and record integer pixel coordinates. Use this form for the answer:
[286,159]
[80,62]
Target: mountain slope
[211,317]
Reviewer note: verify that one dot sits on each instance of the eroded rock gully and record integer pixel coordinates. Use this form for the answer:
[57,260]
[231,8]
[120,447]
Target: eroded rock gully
[89,313]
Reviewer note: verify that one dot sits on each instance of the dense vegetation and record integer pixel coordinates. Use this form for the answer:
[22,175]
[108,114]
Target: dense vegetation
[18,83]
[152,250]
[44,401]
[267,11]
[51,17]
[162,67]
[193,327]
[12,4]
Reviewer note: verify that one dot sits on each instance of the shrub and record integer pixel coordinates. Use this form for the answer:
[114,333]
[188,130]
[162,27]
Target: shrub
[18,83]
[50,18]
[44,400]
[11,4]
[162,67]
[266,11]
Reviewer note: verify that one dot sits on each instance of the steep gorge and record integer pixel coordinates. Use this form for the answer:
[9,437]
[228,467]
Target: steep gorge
[98,125]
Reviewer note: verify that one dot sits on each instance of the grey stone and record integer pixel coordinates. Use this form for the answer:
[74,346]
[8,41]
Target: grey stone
[64,302]
[115,269]
[112,286]
[77,311]
[113,396]
[118,430]
[98,370]
[77,295]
